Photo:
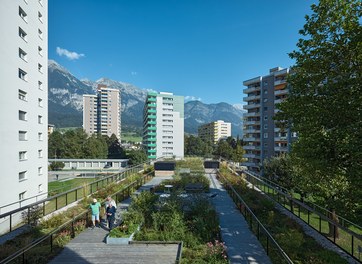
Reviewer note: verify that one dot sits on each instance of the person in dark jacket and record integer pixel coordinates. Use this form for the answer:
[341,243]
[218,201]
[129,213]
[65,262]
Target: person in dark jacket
[110,211]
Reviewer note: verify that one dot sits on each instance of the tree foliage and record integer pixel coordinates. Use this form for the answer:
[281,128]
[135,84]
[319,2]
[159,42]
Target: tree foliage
[195,146]
[324,105]
[76,144]
[230,149]
[136,156]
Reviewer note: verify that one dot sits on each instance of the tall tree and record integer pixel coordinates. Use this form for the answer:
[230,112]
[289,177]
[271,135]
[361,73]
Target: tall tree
[324,105]
[115,151]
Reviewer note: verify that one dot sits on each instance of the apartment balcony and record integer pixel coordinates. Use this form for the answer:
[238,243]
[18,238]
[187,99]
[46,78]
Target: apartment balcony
[251,106]
[151,145]
[251,147]
[151,116]
[151,151]
[279,82]
[151,133]
[151,139]
[253,81]
[151,105]
[251,123]
[251,114]
[251,139]
[151,111]
[151,99]
[151,156]
[278,101]
[151,122]
[151,128]
[280,139]
[251,98]
[251,156]
[251,89]
[251,130]
[281,92]
[281,149]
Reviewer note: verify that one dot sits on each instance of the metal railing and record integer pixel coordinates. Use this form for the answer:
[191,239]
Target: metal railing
[54,203]
[48,243]
[338,233]
[271,245]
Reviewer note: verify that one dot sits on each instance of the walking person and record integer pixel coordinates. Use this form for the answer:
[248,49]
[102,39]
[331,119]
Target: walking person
[95,207]
[111,212]
[108,201]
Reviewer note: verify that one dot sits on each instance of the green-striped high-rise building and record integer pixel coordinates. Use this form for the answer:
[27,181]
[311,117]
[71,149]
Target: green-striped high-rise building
[163,125]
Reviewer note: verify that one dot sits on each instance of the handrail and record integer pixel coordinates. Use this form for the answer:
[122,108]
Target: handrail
[54,231]
[289,197]
[62,194]
[285,256]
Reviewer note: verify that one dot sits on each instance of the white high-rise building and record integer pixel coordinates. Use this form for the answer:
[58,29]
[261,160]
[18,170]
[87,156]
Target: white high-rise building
[163,126]
[23,101]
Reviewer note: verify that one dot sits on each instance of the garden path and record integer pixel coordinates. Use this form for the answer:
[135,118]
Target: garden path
[242,245]
[90,246]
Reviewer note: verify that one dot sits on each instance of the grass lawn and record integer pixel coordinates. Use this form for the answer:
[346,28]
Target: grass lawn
[62,186]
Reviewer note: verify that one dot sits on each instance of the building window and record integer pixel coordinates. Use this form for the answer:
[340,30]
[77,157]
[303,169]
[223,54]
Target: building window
[40,16]
[22,54]
[40,51]
[22,14]
[40,102]
[40,85]
[22,74]
[22,95]
[266,126]
[40,188]
[21,195]
[40,153]
[40,33]
[265,135]
[40,136]
[22,155]
[22,115]
[40,68]
[23,136]
[40,119]
[22,34]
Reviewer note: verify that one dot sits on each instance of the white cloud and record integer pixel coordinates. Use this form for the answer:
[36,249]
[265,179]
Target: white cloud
[71,55]
[192,98]
[133,73]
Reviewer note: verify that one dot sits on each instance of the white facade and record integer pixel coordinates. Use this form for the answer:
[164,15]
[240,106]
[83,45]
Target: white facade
[215,131]
[164,125]
[23,101]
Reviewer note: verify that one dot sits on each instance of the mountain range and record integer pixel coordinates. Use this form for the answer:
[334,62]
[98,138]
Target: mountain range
[65,103]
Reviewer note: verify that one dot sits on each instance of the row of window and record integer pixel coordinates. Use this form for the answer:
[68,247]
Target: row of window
[23,115]
[23,155]
[23,136]
[22,195]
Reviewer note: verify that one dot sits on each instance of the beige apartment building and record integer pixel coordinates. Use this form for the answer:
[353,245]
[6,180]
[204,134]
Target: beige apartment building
[102,112]
[215,131]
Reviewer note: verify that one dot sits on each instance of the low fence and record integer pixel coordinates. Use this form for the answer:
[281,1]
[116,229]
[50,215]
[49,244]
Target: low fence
[344,233]
[13,219]
[48,246]
[272,247]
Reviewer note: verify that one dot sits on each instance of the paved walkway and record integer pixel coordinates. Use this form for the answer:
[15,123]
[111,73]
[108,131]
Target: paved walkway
[90,247]
[242,244]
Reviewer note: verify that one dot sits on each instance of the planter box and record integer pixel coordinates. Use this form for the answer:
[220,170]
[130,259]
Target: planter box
[120,240]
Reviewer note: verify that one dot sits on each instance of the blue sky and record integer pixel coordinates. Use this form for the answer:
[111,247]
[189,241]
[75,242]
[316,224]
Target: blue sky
[202,49]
